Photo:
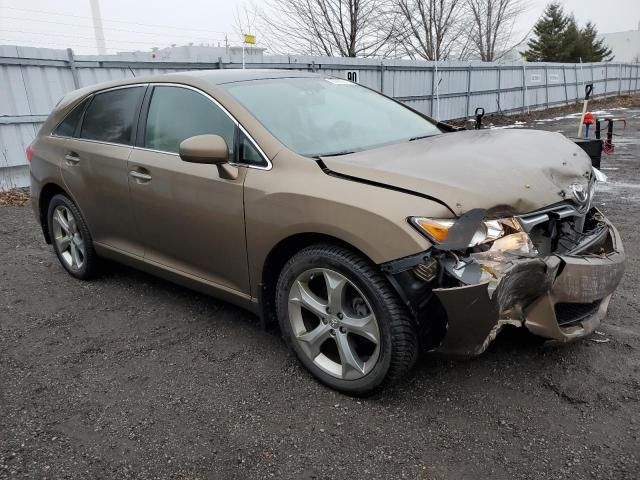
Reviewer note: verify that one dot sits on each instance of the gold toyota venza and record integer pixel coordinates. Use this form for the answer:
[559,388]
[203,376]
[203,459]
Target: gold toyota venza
[367,230]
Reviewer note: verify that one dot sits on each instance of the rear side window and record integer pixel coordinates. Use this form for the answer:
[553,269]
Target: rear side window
[176,114]
[68,126]
[111,116]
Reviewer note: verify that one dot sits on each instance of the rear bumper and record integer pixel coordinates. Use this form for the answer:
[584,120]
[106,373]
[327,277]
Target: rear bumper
[560,297]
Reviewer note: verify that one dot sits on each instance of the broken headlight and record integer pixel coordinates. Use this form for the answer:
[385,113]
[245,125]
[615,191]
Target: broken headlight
[437,229]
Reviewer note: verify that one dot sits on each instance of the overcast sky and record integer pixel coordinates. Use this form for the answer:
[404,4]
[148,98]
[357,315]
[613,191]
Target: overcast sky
[142,24]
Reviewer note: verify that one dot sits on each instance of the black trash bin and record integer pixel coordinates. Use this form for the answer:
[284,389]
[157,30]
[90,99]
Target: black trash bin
[593,147]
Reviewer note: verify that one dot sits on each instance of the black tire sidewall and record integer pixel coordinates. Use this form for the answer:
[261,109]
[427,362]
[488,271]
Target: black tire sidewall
[88,267]
[314,258]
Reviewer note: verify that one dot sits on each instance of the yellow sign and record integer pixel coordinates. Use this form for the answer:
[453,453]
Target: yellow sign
[250,39]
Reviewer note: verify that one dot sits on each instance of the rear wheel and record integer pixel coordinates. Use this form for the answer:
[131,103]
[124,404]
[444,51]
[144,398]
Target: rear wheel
[343,321]
[71,238]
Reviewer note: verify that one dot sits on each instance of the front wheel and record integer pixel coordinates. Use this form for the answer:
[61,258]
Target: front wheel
[343,320]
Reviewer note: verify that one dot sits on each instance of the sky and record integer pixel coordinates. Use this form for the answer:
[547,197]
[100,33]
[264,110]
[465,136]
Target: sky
[142,24]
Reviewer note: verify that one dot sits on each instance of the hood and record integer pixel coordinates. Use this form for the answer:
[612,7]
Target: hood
[516,171]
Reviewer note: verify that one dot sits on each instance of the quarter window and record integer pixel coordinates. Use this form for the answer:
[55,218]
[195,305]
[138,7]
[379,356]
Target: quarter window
[111,116]
[176,114]
[68,126]
[249,155]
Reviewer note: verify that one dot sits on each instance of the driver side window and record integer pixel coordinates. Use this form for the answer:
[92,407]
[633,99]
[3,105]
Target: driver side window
[177,113]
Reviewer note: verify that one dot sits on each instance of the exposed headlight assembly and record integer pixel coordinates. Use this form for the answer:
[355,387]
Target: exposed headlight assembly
[437,229]
[493,244]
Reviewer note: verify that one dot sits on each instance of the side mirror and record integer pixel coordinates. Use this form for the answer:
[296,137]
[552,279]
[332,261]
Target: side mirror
[209,149]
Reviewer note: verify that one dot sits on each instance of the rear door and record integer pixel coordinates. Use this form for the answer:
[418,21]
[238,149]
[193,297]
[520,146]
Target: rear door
[94,168]
[190,218]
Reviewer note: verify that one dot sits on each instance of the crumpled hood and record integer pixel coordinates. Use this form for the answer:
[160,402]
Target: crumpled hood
[523,170]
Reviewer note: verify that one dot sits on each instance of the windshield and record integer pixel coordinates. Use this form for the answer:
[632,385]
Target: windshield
[327,116]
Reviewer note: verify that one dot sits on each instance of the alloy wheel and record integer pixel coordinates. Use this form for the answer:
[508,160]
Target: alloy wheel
[334,324]
[68,239]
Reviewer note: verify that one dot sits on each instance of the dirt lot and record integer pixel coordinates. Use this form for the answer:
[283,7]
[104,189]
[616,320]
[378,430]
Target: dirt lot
[132,377]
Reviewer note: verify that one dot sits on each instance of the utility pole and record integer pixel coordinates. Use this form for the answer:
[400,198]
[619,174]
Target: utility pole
[97,27]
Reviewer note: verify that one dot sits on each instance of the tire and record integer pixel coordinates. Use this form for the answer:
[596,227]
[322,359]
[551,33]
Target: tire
[346,295]
[71,238]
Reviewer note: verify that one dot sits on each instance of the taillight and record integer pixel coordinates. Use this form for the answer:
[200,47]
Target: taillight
[29,153]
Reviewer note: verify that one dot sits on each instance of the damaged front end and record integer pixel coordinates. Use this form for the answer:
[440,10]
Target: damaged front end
[552,271]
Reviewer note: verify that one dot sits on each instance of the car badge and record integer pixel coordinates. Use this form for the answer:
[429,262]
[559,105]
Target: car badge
[580,193]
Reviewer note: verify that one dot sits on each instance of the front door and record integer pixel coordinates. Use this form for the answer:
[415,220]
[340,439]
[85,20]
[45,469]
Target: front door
[190,219]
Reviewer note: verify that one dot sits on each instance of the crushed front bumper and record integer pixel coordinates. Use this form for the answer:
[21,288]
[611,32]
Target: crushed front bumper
[559,297]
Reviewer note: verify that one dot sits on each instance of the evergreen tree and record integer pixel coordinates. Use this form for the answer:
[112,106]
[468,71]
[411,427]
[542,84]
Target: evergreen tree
[595,50]
[558,39]
[573,49]
[548,46]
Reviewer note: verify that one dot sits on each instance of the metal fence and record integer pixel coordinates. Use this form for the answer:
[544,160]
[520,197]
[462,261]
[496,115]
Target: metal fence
[33,79]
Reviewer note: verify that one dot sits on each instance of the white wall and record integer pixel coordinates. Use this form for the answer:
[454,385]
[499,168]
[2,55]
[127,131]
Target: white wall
[624,45]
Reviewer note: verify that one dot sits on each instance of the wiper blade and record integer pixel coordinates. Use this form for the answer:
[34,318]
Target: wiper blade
[335,154]
[420,137]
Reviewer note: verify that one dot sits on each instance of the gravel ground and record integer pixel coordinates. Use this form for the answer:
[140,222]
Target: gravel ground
[129,376]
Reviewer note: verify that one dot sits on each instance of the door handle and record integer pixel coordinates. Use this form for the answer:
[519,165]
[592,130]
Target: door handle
[72,158]
[140,177]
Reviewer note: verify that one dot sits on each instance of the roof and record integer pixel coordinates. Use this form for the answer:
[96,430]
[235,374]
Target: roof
[202,77]
[218,77]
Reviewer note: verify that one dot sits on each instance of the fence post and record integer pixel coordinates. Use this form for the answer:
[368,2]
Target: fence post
[564,79]
[433,89]
[619,79]
[524,87]
[382,77]
[220,64]
[546,84]
[74,69]
[468,90]
[499,89]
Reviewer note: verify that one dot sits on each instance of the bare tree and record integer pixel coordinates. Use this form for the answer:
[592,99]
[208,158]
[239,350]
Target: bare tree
[493,22]
[346,28]
[432,28]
